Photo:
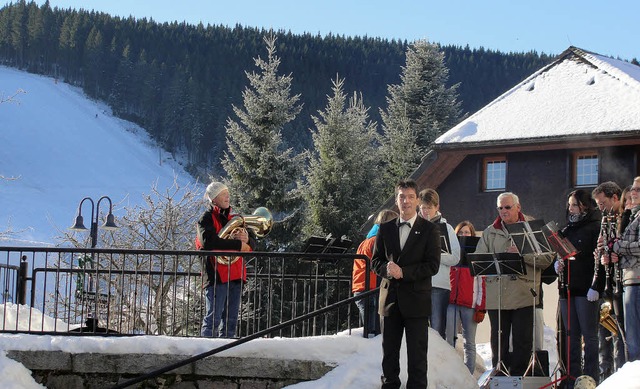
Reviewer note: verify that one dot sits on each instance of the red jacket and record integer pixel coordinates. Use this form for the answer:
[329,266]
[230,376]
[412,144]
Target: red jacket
[360,267]
[466,290]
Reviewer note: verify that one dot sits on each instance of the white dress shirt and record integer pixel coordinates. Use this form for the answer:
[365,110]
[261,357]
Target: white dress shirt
[405,229]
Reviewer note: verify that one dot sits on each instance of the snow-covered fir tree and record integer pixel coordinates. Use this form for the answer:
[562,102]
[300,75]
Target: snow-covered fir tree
[343,175]
[261,169]
[400,150]
[421,107]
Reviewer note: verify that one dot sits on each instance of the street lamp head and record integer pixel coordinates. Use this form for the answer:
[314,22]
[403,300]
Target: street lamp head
[110,223]
[79,224]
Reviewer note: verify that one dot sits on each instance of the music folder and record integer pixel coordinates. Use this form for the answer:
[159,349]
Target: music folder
[468,245]
[445,244]
[496,264]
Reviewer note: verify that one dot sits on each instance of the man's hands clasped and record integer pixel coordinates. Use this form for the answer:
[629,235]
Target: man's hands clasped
[394,271]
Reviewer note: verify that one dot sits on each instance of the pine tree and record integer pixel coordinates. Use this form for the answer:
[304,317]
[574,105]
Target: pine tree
[342,178]
[400,150]
[19,33]
[94,57]
[421,107]
[260,169]
[123,84]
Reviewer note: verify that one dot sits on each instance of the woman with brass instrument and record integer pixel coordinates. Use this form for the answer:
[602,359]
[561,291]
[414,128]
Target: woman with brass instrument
[579,298]
[222,281]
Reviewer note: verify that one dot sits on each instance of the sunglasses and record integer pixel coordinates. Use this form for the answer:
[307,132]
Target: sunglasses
[507,207]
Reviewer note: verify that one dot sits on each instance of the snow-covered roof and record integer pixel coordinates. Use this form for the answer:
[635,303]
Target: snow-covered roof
[579,94]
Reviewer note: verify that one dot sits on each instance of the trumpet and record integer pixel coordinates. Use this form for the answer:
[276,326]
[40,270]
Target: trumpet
[259,222]
[607,320]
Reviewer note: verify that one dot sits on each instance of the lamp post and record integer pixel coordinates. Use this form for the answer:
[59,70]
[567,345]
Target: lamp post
[109,223]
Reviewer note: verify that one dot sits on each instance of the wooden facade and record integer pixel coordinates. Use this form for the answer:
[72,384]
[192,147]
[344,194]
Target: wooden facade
[541,178]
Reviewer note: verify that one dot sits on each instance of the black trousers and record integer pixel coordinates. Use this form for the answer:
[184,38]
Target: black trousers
[416,329]
[516,322]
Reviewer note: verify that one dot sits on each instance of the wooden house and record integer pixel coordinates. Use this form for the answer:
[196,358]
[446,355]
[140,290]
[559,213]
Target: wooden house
[572,124]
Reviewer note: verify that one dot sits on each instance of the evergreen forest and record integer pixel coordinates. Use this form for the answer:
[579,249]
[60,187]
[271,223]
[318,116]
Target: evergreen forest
[181,81]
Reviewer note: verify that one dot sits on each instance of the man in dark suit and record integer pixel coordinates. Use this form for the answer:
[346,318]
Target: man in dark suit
[406,255]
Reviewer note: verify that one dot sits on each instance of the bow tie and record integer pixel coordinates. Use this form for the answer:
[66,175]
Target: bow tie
[404,224]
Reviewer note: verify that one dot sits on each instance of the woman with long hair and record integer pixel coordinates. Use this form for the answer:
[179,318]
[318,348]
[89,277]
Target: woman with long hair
[579,299]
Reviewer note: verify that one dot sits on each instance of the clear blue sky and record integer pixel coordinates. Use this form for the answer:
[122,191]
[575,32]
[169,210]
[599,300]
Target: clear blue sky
[549,26]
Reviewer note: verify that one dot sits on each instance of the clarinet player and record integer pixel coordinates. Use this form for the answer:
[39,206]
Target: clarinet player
[626,248]
[611,348]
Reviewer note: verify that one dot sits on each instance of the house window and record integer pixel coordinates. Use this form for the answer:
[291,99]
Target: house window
[585,169]
[494,173]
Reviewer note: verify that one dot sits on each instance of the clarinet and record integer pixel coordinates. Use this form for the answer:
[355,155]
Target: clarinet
[604,232]
[617,230]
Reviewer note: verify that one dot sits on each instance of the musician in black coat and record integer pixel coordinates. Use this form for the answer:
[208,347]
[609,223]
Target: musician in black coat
[406,256]
[579,307]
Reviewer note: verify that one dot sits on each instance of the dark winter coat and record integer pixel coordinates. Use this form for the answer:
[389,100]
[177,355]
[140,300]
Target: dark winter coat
[579,272]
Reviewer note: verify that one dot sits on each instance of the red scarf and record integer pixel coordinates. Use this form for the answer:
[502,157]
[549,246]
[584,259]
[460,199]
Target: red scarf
[497,224]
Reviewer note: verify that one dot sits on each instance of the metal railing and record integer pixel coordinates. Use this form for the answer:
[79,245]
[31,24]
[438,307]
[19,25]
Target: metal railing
[12,291]
[151,292]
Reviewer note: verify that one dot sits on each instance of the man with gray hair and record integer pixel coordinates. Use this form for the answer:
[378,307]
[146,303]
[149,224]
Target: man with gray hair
[511,294]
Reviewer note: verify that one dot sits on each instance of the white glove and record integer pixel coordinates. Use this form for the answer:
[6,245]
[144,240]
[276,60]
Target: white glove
[593,295]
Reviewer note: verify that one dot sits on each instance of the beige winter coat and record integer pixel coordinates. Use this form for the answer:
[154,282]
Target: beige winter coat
[516,289]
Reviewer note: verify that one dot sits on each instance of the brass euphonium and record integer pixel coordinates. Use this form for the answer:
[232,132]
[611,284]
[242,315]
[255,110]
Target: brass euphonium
[260,222]
[606,320]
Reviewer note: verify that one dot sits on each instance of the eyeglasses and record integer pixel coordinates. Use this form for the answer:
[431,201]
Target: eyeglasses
[635,189]
[507,207]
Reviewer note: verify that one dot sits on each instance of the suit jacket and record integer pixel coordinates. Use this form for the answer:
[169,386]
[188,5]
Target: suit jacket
[419,260]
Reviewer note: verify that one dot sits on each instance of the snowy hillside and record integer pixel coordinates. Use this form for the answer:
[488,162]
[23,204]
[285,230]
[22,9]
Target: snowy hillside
[61,147]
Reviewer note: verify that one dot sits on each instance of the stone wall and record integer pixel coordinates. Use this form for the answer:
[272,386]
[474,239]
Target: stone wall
[62,370]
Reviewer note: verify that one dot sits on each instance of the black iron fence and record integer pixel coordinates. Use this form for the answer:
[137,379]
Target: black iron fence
[151,292]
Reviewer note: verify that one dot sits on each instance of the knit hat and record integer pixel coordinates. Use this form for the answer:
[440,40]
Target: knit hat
[214,189]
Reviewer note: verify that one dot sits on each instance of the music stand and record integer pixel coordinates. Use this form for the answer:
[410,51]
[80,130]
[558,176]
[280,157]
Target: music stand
[529,238]
[326,245]
[497,265]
